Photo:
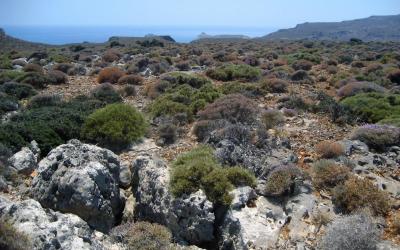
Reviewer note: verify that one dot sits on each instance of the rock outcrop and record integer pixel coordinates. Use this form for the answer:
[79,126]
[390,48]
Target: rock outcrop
[81,179]
[190,219]
[47,229]
[23,162]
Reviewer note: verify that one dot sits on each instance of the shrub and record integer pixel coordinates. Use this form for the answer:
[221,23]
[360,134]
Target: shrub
[183,99]
[128,90]
[356,193]
[18,90]
[35,79]
[131,79]
[271,118]
[63,67]
[352,232]
[57,77]
[355,88]
[373,107]
[246,89]
[337,112]
[177,78]
[393,121]
[183,66]
[114,126]
[378,137]
[394,76]
[44,100]
[7,103]
[111,75]
[106,93]
[234,108]
[31,67]
[10,75]
[329,149]
[281,181]
[167,133]
[50,126]
[12,239]
[302,65]
[233,72]
[293,102]
[111,55]
[327,174]
[147,236]
[300,75]
[199,169]
[275,85]
[203,128]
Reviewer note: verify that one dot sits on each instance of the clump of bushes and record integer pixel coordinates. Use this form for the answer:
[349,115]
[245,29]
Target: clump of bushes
[37,80]
[114,126]
[106,93]
[356,193]
[10,76]
[110,74]
[31,67]
[111,55]
[338,112]
[352,232]
[328,174]
[63,67]
[293,102]
[282,180]
[234,108]
[168,133]
[183,99]
[144,235]
[378,137]
[7,103]
[57,77]
[232,72]
[394,76]
[131,79]
[128,90]
[199,169]
[50,125]
[301,76]
[275,85]
[271,118]
[246,89]
[18,90]
[354,88]
[302,65]
[329,149]
[373,107]
[44,100]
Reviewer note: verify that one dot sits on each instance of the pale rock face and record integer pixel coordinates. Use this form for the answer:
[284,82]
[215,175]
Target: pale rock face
[47,229]
[24,161]
[190,218]
[81,179]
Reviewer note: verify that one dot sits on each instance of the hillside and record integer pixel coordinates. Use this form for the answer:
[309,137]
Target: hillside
[374,28]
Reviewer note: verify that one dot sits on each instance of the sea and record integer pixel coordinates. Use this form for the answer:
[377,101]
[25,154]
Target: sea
[77,34]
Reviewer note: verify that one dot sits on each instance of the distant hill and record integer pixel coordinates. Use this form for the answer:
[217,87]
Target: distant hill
[374,28]
[206,36]
[8,43]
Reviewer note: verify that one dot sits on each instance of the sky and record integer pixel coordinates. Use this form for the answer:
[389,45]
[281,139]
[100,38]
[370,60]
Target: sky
[229,13]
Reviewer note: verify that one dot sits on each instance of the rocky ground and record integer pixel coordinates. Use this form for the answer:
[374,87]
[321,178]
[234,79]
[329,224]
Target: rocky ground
[84,196]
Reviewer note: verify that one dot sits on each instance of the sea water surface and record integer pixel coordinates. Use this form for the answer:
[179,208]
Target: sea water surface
[78,34]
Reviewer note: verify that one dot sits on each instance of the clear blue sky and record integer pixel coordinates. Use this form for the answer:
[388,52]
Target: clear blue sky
[236,13]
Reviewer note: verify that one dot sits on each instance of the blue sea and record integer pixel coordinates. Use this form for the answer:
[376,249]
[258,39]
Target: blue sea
[64,35]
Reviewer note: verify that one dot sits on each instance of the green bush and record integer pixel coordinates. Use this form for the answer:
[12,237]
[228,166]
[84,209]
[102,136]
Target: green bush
[246,89]
[271,118]
[199,169]
[106,93]
[114,126]
[50,126]
[10,75]
[392,120]
[18,90]
[37,80]
[356,193]
[183,99]
[373,107]
[43,100]
[232,72]
[7,103]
